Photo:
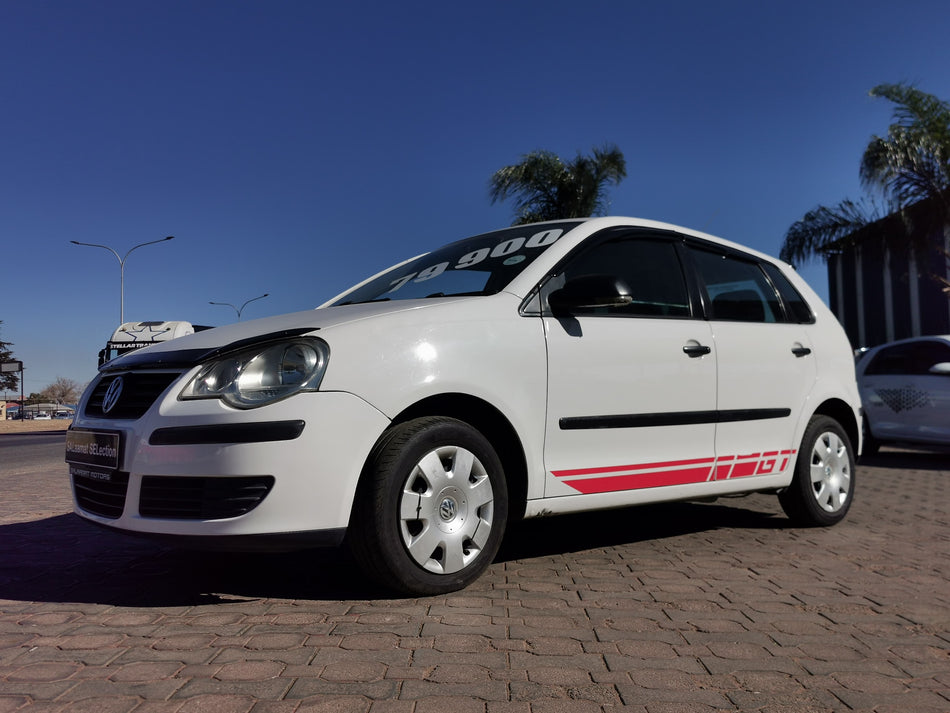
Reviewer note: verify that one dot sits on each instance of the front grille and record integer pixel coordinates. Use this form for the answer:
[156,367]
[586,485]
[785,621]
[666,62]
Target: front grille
[105,497]
[139,392]
[199,498]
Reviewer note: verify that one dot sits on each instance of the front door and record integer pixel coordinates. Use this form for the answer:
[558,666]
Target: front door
[631,389]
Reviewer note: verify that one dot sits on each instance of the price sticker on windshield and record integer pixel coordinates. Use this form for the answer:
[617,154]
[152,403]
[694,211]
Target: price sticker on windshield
[511,251]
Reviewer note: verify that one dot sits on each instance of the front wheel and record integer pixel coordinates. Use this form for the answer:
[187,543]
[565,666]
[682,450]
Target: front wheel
[431,510]
[822,488]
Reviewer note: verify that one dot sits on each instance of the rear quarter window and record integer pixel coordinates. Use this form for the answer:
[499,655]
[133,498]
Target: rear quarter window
[796,308]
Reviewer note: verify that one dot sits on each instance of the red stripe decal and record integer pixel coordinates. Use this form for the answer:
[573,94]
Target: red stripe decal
[654,475]
[628,468]
[635,481]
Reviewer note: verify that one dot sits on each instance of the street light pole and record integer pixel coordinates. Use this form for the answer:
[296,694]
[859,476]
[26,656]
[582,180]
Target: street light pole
[122,267]
[228,304]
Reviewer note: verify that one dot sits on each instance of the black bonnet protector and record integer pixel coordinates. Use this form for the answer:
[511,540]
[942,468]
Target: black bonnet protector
[187,358]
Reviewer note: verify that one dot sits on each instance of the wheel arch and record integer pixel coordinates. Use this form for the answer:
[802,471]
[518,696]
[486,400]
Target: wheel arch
[841,412]
[491,423]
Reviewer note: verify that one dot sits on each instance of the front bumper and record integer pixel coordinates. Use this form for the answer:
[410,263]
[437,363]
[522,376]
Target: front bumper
[209,475]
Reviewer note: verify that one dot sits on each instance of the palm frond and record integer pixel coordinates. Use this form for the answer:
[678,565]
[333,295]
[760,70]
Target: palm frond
[822,227]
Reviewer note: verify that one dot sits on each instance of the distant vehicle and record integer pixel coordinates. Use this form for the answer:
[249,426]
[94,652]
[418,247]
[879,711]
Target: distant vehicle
[905,390]
[42,416]
[540,369]
[135,335]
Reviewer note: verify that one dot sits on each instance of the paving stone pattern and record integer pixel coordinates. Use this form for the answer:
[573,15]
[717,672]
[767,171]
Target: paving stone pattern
[671,609]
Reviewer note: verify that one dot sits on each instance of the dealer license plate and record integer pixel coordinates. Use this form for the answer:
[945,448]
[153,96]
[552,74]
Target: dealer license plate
[92,451]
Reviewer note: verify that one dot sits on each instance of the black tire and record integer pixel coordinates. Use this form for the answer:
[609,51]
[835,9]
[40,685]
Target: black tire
[416,526]
[822,487]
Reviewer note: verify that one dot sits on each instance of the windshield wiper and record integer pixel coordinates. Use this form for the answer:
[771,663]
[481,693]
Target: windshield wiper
[456,294]
[364,302]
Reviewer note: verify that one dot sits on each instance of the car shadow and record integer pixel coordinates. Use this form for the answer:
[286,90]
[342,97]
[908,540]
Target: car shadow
[64,559]
[898,458]
[562,534]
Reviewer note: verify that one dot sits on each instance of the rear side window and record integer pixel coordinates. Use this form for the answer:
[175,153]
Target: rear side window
[738,290]
[914,358]
[651,270]
[796,307]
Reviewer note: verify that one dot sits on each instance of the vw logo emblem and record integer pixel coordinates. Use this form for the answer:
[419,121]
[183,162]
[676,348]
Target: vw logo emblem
[447,509]
[112,395]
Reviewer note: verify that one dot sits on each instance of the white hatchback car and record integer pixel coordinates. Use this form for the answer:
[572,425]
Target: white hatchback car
[541,369]
[905,389]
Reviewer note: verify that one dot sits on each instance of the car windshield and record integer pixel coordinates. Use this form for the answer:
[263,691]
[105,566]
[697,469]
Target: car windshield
[482,265]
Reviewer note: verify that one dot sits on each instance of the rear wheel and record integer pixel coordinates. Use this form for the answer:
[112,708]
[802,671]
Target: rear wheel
[823,485]
[431,512]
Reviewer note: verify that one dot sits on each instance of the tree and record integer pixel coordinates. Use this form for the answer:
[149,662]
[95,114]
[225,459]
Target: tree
[912,163]
[546,188]
[908,168]
[8,380]
[62,391]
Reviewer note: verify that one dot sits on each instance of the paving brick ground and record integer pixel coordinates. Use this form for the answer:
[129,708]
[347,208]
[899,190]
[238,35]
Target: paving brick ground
[681,608]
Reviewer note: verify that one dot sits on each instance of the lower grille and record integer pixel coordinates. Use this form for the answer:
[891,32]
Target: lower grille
[188,498]
[101,497]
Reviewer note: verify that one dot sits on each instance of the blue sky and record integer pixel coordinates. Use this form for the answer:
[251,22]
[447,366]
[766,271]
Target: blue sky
[294,147]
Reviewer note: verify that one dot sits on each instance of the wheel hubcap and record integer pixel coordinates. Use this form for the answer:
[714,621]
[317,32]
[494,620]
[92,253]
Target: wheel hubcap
[445,510]
[830,472]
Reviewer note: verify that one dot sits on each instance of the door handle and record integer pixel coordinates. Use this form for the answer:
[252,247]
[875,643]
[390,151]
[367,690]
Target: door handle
[801,351]
[696,350]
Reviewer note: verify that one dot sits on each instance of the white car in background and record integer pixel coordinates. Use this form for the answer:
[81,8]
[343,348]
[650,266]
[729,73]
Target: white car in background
[905,389]
[542,369]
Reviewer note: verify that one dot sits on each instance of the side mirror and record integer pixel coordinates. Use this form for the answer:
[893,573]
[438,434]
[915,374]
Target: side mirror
[941,369]
[588,292]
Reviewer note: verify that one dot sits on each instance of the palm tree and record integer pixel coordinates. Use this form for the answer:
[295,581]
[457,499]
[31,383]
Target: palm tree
[912,164]
[546,188]
[908,167]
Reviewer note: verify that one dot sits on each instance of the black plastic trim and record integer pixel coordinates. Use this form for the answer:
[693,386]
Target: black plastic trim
[263,432]
[682,418]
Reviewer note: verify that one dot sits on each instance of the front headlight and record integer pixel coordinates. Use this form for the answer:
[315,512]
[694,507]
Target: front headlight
[259,376]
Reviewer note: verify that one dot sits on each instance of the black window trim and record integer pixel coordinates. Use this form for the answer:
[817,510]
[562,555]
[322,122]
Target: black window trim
[700,308]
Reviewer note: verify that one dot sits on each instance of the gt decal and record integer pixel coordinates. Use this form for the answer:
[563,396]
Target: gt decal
[611,479]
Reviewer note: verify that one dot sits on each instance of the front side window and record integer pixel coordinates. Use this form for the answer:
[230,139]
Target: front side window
[738,289]
[482,265]
[650,270]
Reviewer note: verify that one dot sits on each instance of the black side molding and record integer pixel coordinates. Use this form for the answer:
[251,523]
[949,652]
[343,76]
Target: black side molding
[682,418]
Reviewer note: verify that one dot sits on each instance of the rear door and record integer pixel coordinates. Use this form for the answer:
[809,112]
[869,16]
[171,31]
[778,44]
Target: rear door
[765,362]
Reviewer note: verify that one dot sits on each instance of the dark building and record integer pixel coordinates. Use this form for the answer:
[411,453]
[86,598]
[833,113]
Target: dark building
[882,288]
